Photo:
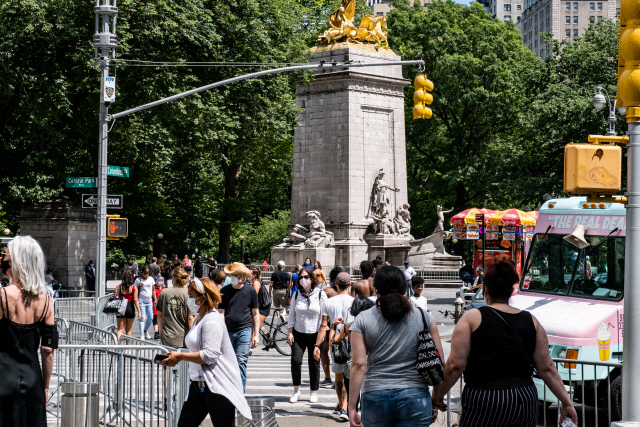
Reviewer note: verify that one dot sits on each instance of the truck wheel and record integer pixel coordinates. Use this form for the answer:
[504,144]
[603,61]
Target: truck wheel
[616,399]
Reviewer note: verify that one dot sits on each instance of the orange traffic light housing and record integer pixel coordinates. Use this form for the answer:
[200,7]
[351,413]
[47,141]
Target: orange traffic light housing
[422,97]
[592,169]
[117,228]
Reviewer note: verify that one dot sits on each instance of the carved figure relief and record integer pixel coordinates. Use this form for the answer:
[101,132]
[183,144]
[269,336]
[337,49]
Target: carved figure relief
[401,221]
[383,223]
[372,29]
[440,214]
[313,237]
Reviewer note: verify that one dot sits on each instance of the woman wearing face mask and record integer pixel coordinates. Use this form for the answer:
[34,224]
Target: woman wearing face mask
[145,299]
[215,383]
[305,316]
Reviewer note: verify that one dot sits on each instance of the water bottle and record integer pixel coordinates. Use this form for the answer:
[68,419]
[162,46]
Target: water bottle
[567,422]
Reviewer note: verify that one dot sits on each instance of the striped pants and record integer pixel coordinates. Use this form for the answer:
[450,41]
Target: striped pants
[509,407]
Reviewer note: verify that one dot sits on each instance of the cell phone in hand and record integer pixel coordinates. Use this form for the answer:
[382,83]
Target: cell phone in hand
[160,358]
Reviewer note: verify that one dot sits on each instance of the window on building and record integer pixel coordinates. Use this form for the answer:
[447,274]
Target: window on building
[592,6]
[575,6]
[567,6]
[379,13]
[599,6]
[618,12]
[518,18]
[519,7]
[592,19]
[507,17]
[507,7]
[567,33]
[599,18]
[575,19]
[575,33]
[567,20]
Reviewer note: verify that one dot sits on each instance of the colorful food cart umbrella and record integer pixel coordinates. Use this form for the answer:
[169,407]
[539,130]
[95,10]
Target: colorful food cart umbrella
[469,215]
[533,214]
[514,216]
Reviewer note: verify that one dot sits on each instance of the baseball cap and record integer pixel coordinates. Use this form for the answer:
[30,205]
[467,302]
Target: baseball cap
[406,262]
[281,262]
[343,279]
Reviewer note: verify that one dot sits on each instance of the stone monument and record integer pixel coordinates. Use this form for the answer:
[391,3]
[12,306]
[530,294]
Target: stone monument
[67,234]
[352,126]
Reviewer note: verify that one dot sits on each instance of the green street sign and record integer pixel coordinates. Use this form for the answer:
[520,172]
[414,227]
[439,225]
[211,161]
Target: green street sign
[81,182]
[119,171]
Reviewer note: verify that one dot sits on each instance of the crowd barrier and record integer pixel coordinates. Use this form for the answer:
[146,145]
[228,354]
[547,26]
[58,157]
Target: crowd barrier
[132,390]
[74,293]
[597,402]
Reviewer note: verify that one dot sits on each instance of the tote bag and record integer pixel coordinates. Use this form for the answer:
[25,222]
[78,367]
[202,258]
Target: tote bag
[429,363]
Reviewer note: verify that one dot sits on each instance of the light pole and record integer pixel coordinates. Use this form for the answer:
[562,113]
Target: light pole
[7,231]
[599,100]
[241,246]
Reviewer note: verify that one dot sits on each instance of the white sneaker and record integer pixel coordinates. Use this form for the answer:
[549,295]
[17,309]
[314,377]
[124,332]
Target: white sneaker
[313,397]
[146,335]
[142,337]
[295,396]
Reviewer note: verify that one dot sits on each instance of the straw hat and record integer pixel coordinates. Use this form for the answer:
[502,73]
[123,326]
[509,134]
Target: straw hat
[237,269]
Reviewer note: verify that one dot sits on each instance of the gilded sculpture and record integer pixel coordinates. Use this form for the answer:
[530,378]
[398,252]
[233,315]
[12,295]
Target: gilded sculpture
[371,29]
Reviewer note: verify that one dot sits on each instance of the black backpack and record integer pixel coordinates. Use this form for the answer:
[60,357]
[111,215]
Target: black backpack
[264,300]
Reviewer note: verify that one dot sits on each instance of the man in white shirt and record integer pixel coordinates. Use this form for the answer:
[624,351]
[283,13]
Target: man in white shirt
[417,299]
[409,272]
[335,313]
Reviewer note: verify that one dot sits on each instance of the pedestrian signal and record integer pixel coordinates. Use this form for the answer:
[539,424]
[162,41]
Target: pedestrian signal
[592,169]
[117,228]
[422,97]
[628,94]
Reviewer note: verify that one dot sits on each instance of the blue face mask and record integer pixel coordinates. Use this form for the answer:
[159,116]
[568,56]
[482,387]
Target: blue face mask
[306,263]
[91,265]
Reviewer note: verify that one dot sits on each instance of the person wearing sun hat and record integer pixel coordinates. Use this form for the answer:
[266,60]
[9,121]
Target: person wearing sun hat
[239,307]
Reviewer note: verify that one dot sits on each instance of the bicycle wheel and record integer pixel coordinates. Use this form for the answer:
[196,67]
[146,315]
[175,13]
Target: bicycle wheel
[279,339]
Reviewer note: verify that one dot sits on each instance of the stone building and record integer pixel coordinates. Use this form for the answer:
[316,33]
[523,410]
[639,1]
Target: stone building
[504,10]
[564,19]
[382,7]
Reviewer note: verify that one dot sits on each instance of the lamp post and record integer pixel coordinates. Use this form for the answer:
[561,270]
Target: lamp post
[160,236]
[241,246]
[7,231]
[599,100]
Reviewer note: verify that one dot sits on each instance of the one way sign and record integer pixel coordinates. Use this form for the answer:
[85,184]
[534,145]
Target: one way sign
[91,201]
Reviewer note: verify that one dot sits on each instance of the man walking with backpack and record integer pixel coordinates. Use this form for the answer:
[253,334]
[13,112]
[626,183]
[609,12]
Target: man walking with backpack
[335,313]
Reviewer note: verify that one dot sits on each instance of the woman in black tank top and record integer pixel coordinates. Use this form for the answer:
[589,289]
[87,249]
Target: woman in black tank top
[497,347]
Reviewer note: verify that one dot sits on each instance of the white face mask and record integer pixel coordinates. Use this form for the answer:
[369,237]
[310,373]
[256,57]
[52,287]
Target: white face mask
[306,283]
[234,280]
[191,303]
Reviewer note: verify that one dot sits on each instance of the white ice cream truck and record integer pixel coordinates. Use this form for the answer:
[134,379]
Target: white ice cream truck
[577,294]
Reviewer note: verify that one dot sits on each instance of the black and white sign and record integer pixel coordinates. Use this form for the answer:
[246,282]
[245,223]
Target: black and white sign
[91,201]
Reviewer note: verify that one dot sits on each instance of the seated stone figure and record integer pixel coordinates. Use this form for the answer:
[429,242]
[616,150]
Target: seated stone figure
[315,236]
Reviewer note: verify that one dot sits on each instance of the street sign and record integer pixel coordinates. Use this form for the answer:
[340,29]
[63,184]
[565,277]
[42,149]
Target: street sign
[91,201]
[117,227]
[480,218]
[119,171]
[81,182]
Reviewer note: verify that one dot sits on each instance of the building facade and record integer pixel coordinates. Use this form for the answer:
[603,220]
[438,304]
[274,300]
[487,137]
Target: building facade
[382,7]
[504,10]
[564,19]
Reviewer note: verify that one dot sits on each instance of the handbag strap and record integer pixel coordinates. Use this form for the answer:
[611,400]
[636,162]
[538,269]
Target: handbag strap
[497,313]
[424,319]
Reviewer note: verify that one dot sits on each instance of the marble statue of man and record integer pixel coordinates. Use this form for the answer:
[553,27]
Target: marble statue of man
[441,213]
[380,188]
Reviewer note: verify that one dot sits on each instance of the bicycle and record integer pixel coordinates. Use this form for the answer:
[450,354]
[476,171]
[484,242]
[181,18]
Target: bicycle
[276,335]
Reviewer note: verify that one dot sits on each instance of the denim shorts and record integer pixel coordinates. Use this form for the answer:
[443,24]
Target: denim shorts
[402,407]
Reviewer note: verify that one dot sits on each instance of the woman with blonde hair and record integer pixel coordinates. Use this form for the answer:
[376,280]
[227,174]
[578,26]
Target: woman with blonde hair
[215,382]
[219,278]
[174,316]
[26,326]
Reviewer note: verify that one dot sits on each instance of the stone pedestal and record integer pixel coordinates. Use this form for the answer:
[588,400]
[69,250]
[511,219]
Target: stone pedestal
[352,126]
[388,247]
[296,254]
[67,234]
[430,252]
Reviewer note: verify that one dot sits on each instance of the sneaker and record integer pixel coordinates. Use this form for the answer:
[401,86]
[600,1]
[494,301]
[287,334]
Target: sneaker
[337,410]
[295,396]
[142,337]
[156,336]
[313,397]
[327,381]
[146,335]
[343,415]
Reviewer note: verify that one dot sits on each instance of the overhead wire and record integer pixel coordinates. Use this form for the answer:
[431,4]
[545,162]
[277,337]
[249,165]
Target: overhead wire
[140,63]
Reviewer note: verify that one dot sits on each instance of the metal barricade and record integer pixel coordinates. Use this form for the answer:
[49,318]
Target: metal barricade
[132,389]
[63,329]
[594,387]
[104,321]
[440,276]
[74,293]
[80,309]
[81,333]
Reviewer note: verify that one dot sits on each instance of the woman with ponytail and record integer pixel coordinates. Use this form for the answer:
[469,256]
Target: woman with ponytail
[215,384]
[384,350]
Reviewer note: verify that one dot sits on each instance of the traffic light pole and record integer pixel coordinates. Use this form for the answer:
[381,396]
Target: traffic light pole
[631,357]
[101,228]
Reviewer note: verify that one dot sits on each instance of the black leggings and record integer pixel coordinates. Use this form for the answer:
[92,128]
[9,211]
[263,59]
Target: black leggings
[199,404]
[302,342]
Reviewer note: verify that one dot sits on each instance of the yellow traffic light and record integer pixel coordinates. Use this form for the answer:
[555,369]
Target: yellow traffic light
[628,94]
[592,169]
[422,97]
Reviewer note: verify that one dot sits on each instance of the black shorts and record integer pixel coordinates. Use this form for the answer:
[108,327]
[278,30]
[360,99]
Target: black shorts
[265,311]
[130,312]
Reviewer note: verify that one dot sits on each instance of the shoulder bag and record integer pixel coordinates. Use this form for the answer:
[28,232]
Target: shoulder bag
[341,351]
[429,363]
[264,300]
[116,305]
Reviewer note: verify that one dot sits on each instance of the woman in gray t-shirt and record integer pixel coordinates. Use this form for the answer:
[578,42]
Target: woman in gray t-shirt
[384,350]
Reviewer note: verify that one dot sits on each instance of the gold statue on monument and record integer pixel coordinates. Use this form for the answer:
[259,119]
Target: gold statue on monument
[342,27]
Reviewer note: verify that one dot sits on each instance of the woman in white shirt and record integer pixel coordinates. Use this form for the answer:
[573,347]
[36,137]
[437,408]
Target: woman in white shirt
[215,383]
[305,317]
[144,285]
